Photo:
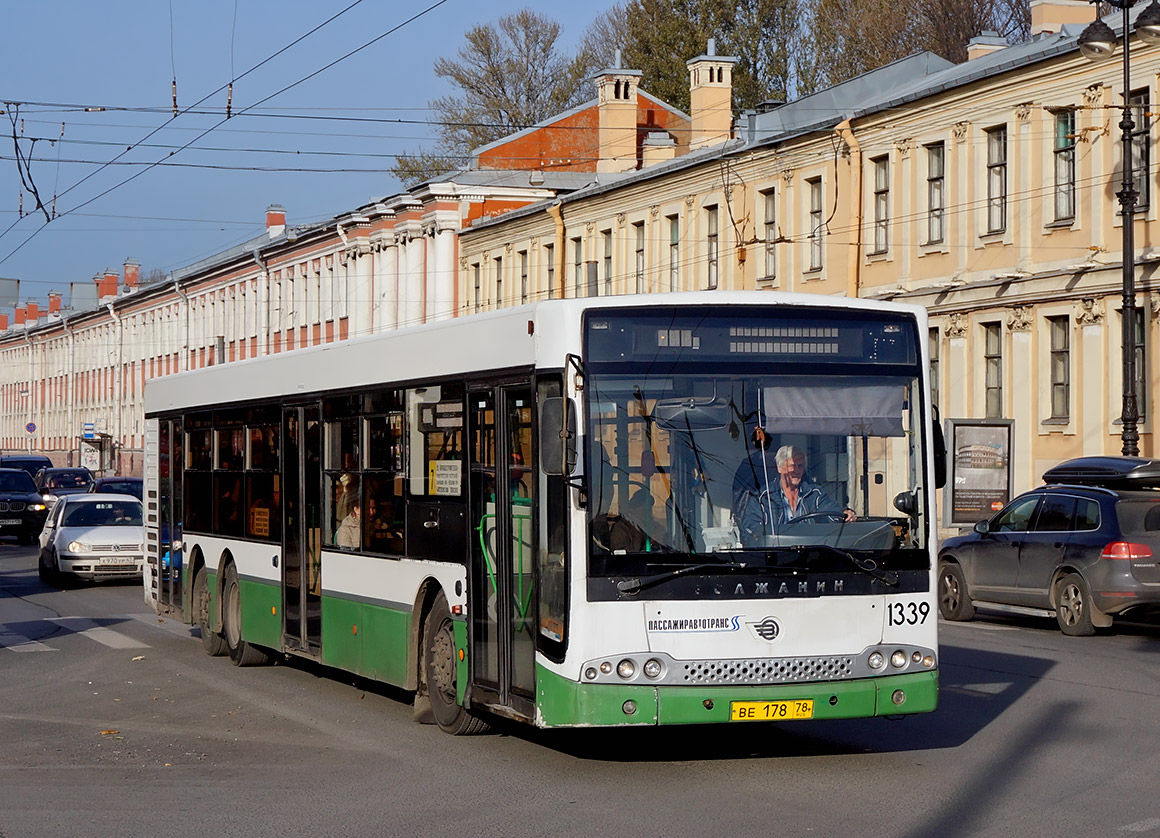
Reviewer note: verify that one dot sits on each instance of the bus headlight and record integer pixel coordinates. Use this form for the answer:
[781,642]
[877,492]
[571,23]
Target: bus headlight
[876,660]
[898,659]
[652,668]
[626,669]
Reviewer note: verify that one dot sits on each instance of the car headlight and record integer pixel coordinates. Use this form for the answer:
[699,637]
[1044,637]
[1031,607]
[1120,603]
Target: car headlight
[79,547]
[37,507]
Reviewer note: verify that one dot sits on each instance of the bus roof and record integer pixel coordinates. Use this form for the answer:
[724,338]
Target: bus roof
[536,334]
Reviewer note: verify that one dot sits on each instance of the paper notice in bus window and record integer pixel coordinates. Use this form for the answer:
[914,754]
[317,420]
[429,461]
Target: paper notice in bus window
[260,526]
[446,477]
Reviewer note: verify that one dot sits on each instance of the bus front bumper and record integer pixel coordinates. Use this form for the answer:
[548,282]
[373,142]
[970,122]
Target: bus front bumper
[565,703]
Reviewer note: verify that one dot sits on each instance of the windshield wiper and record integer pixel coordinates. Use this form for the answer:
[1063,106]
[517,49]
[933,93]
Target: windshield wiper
[867,566]
[632,586]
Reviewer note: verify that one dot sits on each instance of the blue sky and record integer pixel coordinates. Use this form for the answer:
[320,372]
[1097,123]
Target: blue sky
[63,56]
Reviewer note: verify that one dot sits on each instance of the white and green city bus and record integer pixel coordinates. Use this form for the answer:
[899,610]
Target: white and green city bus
[564,513]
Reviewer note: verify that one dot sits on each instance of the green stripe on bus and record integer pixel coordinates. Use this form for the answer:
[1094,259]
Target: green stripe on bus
[366,639]
[565,703]
[261,612]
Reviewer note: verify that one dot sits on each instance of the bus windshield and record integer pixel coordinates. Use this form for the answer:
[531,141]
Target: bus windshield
[756,466]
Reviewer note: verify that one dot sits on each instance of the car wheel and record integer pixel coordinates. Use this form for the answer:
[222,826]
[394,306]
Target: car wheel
[439,667]
[954,600]
[241,652]
[1073,609]
[213,643]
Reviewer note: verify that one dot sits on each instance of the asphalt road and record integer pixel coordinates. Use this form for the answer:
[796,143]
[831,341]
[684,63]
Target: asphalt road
[114,722]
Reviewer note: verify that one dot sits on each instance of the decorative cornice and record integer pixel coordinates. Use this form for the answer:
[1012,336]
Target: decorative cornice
[1089,311]
[959,130]
[1023,111]
[1093,95]
[956,325]
[1019,319]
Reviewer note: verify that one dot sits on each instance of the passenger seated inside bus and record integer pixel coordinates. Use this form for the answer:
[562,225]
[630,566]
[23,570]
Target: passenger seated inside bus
[349,535]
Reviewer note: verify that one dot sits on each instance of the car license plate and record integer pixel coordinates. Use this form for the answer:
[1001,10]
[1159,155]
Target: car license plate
[9,522]
[771,711]
[116,560]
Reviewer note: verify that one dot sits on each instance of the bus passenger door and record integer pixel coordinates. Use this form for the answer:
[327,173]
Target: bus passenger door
[503,520]
[301,533]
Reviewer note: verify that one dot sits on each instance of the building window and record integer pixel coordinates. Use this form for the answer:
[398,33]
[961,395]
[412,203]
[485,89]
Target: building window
[1140,145]
[711,236]
[881,204]
[1141,359]
[932,342]
[674,252]
[578,264]
[770,201]
[816,231]
[993,366]
[523,276]
[606,238]
[997,179]
[1064,165]
[638,246]
[477,276]
[550,261]
[499,282]
[1060,366]
[935,191]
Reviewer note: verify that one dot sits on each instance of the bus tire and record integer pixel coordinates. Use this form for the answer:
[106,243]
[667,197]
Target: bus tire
[954,600]
[213,643]
[439,667]
[241,652]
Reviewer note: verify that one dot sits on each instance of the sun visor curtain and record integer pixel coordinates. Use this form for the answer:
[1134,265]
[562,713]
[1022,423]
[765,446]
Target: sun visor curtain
[874,410]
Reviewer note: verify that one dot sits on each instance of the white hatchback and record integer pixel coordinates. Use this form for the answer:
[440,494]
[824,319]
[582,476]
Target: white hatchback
[93,536]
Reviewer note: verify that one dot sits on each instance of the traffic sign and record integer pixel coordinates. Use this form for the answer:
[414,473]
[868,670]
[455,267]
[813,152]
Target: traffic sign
[30,427]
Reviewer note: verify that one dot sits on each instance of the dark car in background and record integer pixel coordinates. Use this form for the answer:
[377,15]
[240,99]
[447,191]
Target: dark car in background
[134,486]
[31,463]
[1086,546]
[22,509]
[53,483]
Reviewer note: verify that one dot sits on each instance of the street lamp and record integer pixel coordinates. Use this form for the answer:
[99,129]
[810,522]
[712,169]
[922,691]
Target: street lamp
[1098,42]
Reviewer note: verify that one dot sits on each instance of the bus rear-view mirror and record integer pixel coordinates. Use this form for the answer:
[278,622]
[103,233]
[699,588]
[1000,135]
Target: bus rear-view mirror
[558,436]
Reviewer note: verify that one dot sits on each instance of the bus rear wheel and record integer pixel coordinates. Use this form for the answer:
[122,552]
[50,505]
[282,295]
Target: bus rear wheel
[440,667]
[241,652]
[213,643]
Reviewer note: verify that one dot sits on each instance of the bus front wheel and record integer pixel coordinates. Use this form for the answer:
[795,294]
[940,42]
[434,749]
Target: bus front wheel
[213,643]
[241,652]
[440,667]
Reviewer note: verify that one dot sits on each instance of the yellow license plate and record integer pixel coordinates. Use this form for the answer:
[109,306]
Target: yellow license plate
[771,711]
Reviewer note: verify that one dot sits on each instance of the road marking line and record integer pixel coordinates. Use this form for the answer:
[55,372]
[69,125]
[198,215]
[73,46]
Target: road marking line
[1146,825]
[19,643]
[104,636]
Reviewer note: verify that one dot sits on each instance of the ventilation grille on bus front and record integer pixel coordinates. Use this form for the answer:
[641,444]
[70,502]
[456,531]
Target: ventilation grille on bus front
[767,670]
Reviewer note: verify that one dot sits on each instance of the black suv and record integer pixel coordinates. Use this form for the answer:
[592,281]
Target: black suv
[1085,546]
[31,463]
[22,510]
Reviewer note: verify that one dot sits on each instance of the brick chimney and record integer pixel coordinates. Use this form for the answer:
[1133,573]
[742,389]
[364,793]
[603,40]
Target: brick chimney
[1052,15]
[616,108]
[657,148]
[54,298]
[106,286]
[18,316]
[132,274]
[710,97]
[985,43]
[275,220]
[3,322]
[31,312]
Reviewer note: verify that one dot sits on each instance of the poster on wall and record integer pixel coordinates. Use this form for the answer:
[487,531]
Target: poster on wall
[979,471]
[90,456]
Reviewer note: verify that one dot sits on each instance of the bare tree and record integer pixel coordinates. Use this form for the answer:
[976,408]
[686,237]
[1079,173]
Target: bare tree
[508,75]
